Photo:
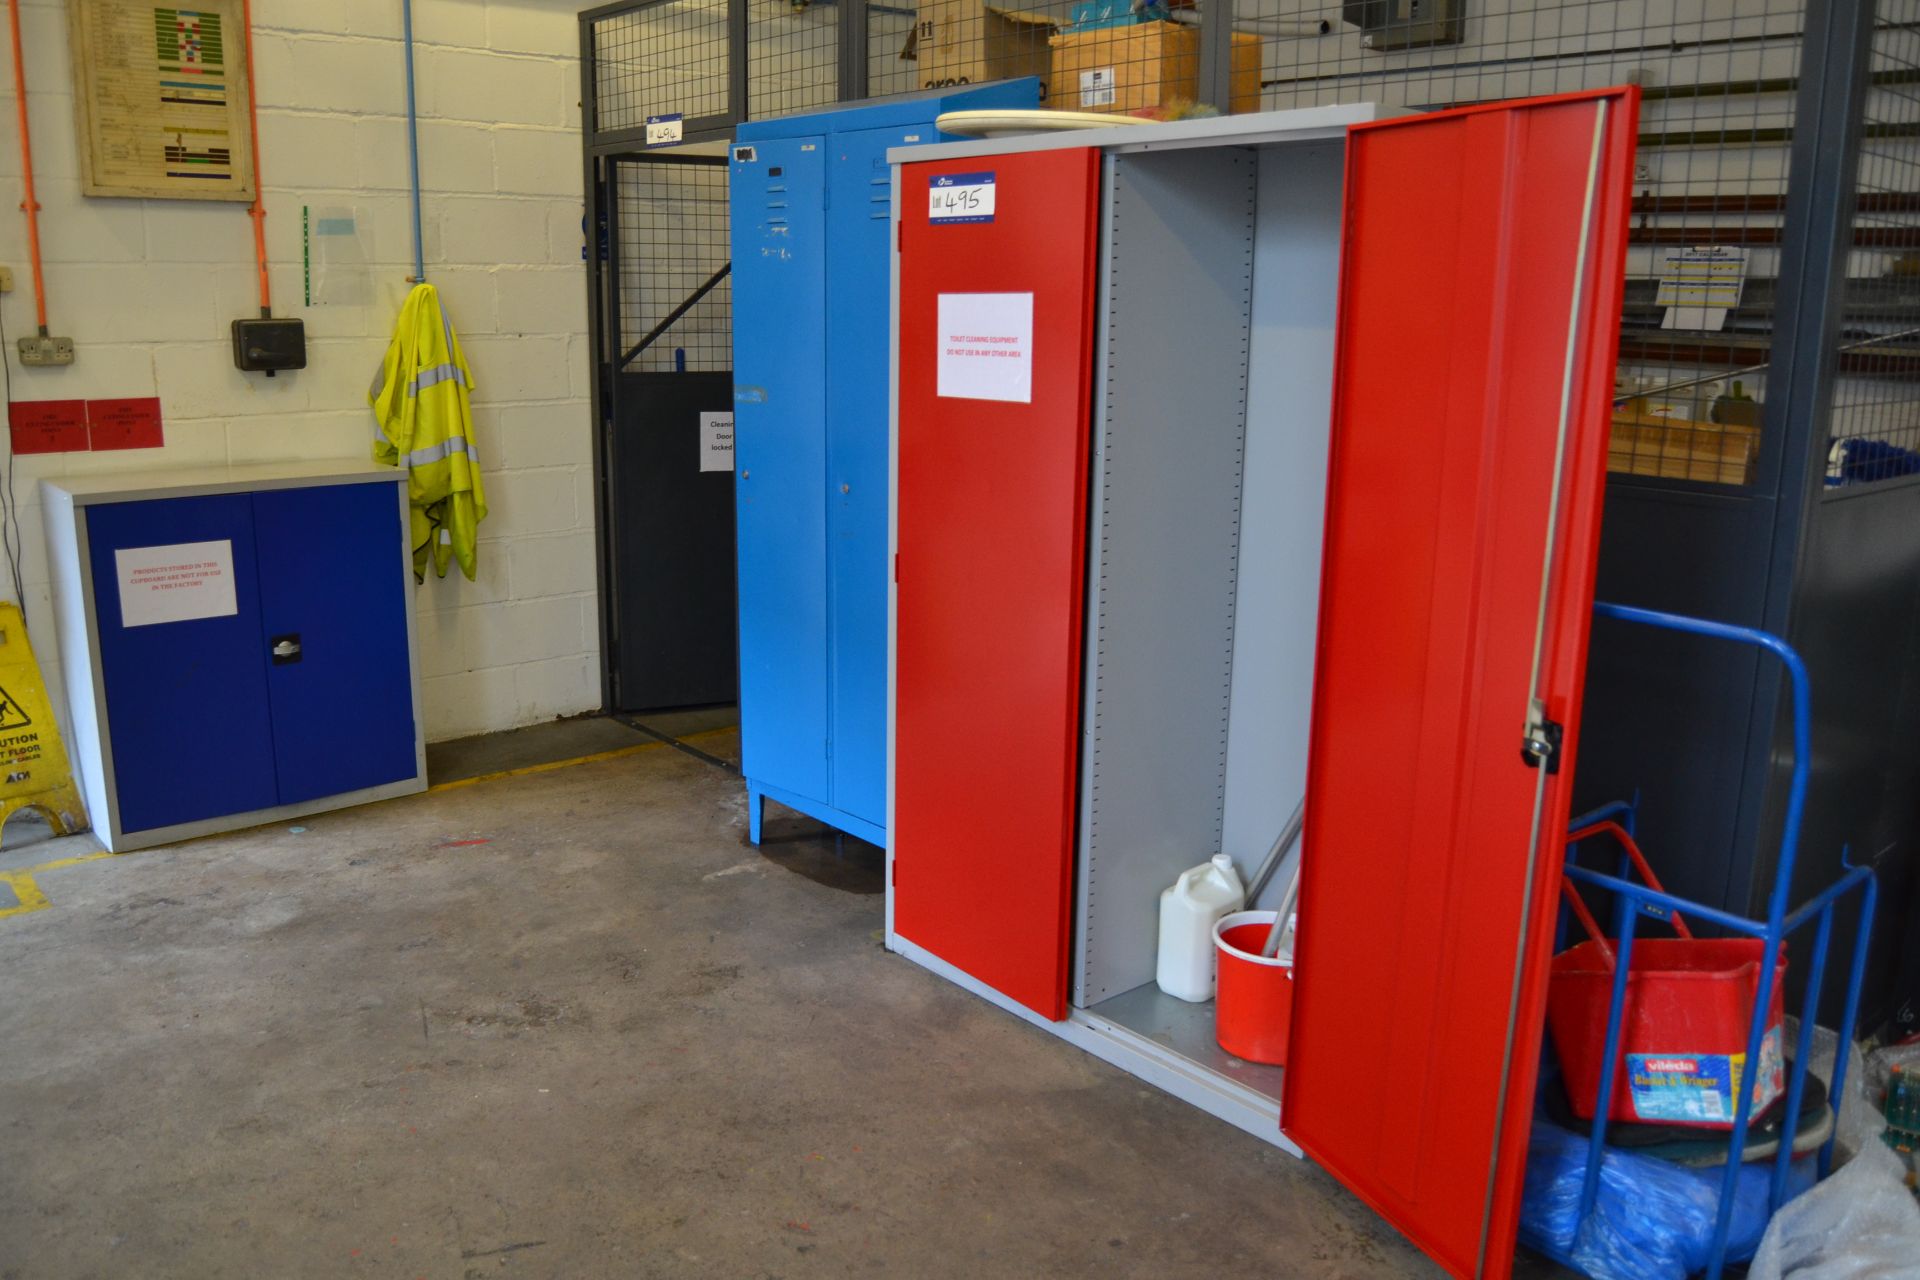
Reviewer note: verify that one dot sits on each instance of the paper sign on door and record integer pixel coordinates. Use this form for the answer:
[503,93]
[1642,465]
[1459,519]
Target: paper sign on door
[716,442]
[986,347]
[960,197]
[175,583]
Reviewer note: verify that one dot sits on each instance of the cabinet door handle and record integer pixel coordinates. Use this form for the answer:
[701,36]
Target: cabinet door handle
[286,649]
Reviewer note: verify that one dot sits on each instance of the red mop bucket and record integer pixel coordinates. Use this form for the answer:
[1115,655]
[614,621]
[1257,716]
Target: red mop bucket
[1253,999]
[1683,1034]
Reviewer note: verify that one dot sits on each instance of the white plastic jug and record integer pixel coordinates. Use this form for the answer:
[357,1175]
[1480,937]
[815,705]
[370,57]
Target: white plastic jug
[1188,911]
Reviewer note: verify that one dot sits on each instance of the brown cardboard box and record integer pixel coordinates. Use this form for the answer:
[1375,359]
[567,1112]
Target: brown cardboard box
[967,42]
[1643,445]
[1146,64]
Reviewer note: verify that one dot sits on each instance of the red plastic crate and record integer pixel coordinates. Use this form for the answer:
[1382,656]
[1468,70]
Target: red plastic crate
[1683,1036]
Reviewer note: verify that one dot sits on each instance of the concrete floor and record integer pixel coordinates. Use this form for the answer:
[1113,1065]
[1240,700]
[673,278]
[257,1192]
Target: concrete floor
[568,1023]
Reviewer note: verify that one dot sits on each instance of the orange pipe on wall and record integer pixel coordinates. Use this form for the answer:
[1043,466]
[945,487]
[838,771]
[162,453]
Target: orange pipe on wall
[29,205]
[259,210]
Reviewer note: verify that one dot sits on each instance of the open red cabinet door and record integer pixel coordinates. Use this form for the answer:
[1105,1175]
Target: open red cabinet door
[1479,309]
[996,342]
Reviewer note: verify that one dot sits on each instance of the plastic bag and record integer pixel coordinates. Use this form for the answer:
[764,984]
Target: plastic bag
[1652,1220]
[1860,1224]
[1858,1121]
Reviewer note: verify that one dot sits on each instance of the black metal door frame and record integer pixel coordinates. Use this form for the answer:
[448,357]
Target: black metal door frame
[615,356]
[605,146]
[604,150]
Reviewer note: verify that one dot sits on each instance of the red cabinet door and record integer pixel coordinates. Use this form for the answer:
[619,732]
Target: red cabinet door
[1479,309]
[995,331]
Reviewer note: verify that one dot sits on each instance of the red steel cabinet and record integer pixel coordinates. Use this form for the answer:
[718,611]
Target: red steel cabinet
[1479,304]
[992,533]
[1482,253]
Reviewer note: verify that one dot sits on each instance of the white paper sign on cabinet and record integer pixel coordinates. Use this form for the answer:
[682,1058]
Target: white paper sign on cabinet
[986,347]
[175,583]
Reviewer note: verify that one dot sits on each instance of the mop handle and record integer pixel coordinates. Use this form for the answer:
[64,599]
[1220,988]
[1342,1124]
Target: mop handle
[1271,862]
[1292,896]
[1279,930]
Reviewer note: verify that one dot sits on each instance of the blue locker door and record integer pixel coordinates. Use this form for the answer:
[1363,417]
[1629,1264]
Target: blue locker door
[857,289]
[187,699]
[779,350]
[332,585]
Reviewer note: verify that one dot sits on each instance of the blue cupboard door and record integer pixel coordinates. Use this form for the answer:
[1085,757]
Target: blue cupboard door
[186,695]
[779,353]
[333,618]
[857,293]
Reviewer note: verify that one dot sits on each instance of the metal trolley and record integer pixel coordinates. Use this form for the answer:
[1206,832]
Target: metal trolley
[1632,900]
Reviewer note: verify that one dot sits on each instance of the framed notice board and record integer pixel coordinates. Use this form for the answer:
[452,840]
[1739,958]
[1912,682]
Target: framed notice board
[162,95]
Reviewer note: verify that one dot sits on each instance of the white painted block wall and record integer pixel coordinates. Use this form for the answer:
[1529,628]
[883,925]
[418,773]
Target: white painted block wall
[147,288]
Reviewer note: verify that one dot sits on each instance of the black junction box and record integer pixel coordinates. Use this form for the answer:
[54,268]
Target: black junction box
[266,346]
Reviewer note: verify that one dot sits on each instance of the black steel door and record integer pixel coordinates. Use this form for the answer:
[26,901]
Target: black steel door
[668,391]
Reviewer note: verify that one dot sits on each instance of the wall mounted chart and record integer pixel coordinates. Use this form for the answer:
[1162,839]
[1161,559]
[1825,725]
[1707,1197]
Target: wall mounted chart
[162,99]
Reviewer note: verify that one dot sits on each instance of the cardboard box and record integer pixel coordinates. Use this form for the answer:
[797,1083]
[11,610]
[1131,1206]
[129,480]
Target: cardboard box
[967,42]
[1679,449]
[1148,64]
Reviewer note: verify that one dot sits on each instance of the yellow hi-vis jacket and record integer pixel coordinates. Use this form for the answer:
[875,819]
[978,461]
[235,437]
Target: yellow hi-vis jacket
[425,423]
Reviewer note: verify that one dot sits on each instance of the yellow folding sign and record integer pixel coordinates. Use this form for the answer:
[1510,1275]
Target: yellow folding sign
[32,755]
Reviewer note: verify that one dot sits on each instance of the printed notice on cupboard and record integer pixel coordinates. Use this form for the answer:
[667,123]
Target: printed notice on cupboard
[986,347]
[175,583]
[716,441]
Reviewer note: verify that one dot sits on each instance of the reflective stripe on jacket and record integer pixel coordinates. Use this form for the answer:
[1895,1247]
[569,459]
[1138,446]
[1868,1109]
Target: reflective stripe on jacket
[425,422]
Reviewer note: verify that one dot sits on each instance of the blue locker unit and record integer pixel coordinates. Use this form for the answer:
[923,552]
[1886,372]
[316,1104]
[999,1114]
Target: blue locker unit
[811,205]
[237,644]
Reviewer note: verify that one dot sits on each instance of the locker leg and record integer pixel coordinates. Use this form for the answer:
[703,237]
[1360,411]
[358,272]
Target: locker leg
[755,803]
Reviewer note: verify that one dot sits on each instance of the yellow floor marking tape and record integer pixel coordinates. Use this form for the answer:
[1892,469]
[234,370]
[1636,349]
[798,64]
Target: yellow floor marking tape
[24,889]
[30,898]
[548,767]
[27,890]
[551,765]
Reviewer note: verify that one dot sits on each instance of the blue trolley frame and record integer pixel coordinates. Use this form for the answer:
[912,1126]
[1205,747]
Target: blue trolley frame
[1632,900]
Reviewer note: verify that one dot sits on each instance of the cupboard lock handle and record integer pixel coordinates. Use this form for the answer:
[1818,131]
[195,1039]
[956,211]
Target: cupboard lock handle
[1542,739]
[286,649]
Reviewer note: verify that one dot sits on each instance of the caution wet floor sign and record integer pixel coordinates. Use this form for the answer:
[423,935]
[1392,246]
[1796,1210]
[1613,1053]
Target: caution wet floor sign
[34,759]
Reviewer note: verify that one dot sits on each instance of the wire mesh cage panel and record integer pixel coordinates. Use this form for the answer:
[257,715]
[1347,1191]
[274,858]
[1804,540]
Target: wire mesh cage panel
[1480,50]
[671,238]
[660,58]
[1718,79]
[891,60]
[1876,395]
[793,53]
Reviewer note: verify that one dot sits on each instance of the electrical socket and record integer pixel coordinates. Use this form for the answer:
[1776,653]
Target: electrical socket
[38,351]
[6,279]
